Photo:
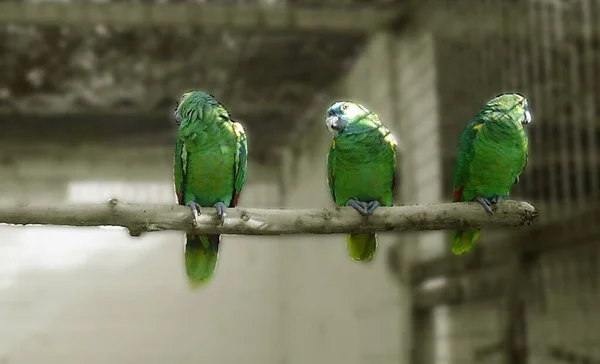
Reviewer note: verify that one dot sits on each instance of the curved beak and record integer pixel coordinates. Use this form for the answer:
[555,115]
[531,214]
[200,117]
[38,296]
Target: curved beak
[527,117]
[334,123]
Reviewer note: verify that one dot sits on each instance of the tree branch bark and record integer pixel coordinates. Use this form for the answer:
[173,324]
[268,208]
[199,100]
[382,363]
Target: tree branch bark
[139,218]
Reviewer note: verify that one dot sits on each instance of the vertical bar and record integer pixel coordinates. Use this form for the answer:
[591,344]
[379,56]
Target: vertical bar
[561,75]
[589,10]
[575,99]
[525,50]
[547,24]
[515,325]
[536,179]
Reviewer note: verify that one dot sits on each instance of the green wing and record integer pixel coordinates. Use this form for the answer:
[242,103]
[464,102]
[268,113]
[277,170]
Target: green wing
[390,140]
[180,159]
[331,170]
[526,160]
[465,154]
[241,162]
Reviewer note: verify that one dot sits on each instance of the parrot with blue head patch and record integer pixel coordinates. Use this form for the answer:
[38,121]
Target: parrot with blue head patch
[492,155]
[211,154]
[361,167]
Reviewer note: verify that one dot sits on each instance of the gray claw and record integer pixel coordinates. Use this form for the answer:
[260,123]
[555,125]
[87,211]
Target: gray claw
[371,206]
[196,210]
[358,206]
[221,211]
[487,205]
[496,199]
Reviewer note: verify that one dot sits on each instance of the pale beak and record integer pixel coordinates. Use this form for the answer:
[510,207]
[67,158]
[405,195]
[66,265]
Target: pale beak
[527,117]
[335,123]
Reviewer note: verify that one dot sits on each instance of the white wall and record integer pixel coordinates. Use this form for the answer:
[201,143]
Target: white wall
[72,295]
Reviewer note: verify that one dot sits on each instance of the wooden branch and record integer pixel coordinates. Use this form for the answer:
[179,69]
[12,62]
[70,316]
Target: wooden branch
[139,218]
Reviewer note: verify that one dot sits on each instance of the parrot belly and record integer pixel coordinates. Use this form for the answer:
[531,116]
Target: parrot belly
[210,173]
[364,180]
[494,167]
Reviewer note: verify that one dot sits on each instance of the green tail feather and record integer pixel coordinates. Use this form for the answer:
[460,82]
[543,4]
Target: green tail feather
[201,254]
[361,247]
[463,240]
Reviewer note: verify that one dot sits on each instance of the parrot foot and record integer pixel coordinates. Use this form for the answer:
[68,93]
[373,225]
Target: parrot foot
[196,210]
[487,204]
[358,206]
[221,211]
[371,206]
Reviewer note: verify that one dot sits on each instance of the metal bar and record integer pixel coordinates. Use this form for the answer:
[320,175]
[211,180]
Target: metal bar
[515,321]
[589,10]
[454,20]
[212,16]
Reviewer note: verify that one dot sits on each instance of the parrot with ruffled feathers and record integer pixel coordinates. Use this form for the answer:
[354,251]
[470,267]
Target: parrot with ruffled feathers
[361,167]
[211,154]
[492,154]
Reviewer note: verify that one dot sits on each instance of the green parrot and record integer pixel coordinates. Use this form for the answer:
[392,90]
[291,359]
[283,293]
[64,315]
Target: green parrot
[492,154]
[211,156]
[361,167]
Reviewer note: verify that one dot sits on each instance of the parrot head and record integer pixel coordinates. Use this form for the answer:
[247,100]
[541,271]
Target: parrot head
[192,102]
[344,114]
[512,105]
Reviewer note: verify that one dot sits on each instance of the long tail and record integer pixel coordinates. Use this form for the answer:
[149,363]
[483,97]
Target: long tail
[361,247]
[462,240]
[201,255]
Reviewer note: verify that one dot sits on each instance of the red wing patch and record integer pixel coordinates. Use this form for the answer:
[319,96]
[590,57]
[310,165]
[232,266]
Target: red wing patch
[234,200]
[457,194]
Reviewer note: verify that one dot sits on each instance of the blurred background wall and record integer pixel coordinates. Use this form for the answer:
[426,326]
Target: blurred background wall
[86,99]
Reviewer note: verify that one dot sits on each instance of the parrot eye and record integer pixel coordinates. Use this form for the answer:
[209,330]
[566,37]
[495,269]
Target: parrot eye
[344,107]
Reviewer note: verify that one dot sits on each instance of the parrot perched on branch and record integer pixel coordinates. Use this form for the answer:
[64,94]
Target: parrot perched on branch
[492,154]
[211,155]
[361,167]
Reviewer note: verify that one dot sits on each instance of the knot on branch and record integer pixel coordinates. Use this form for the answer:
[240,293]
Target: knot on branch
[112,203]
[530,213]
[245,216]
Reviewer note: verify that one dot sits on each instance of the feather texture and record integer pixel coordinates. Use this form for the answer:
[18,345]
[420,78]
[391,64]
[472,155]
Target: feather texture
[211,155]
[492,154]
[361,166]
